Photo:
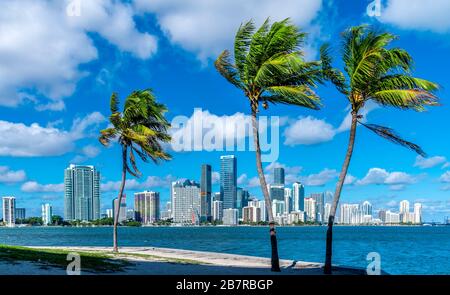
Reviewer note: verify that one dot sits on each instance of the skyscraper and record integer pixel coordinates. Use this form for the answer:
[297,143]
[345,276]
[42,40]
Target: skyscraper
[367,208]
[242,197]
[276,192]
[298,195]
[185,201]
[228,181]
[217,211]
[418,213]
[310,209]
[81,193]
[278,176]
[47,214]
[404,211]
[122,209]
[9,211]
[146,207]
[205,193]
[230,216]
[287,200]
[320,205]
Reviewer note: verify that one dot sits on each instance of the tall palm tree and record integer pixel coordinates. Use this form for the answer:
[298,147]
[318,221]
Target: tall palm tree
[269,67]
[140,129]
[373,71]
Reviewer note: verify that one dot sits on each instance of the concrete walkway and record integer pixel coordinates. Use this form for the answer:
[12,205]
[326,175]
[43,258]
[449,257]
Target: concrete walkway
[163,261]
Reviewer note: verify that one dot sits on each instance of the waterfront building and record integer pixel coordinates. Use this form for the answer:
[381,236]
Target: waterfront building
[382,215]
[251,214]
[392,218]
[185,202]
[418,213]
[81,193]
[147,207]
[9,211]
[46,214]
[278,176]
[320,205]
[262,207]
[367,208]
[326,214]
[217,211]
[109,213]
[310,209]
[276,192]
[295,217]
[287,200]
[243,197]
[205,192]
[230,216]
[228,181]
[130,214]
[298,195]
[20,213]
[122,210]
[278,208]
[404,211]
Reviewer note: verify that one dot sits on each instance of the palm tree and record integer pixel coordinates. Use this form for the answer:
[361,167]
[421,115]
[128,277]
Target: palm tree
[140,129]
[381,74]
[269,68]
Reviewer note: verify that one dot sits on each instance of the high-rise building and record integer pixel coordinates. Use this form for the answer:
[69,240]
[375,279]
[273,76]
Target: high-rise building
[392,218]
[350,214]
[81,193]
[109,213]
[122,210]
[9,211]
[367,208]
[242,197]
[418,213]
[326,214]
[320,205]
[47,214]
[20,213]
[278,208]
[205,192]
[230,216]
[404,211]
[287,200]
[217,211]
[185,202]
[228,181]
[278,176]
[251,214]
[263,208]
[276,192]
[298,195]
[146,207]
[310,209]
[382,215]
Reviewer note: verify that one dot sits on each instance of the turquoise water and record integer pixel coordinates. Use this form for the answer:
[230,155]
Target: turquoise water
[403,250]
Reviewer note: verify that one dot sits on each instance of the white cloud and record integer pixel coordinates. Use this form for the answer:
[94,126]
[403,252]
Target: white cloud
[242,179]
[445,178]
[308,131]
[350,179]
[133,184]
[42,48]
[9,176]
[208,27]
[395,180]
[319,179]
[20,140]
[429,162]
[418,14]
[87,152]
[35,187]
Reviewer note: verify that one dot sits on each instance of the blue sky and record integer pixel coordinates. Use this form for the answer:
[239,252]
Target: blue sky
[58,69]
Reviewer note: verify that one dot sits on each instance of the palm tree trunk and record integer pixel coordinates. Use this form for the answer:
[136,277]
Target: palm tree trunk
[337,194]
[262,179]
[122,187]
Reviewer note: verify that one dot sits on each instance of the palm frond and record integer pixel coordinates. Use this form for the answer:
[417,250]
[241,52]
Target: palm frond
[114,103]
[332,74]
[294,95]
[392,136]
[227,69]
[241,46]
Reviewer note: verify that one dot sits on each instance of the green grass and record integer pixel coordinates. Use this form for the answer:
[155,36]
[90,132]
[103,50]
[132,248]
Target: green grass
[90,261]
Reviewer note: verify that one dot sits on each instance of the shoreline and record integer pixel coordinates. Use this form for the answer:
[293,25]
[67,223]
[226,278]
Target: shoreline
[167,261]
